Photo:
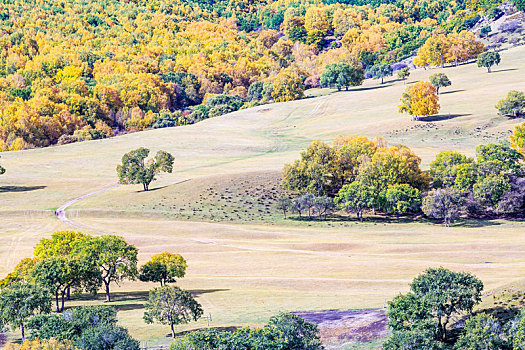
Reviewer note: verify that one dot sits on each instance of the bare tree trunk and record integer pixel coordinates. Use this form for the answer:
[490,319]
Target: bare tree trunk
[108,296]
[56,301]
[63,300]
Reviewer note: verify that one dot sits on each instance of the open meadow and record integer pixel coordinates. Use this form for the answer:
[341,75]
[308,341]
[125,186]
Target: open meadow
[245,262]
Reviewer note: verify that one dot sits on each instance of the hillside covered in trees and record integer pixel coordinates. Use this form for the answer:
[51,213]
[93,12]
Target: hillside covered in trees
[78,70]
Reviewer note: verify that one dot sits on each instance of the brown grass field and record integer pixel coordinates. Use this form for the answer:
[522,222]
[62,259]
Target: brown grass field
[245,262]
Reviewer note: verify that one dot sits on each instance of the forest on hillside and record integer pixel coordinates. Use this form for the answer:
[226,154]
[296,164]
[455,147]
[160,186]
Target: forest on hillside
[74,70]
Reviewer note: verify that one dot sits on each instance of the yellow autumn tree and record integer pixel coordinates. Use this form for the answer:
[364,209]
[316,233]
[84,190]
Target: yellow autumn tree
[288,86]
[421,99]
[316,19]
[433,52]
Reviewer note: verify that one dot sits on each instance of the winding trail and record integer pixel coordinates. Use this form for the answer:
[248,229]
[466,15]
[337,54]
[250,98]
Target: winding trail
[61,215]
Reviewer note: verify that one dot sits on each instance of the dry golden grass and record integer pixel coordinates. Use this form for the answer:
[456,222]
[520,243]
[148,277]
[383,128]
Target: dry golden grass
[246,270]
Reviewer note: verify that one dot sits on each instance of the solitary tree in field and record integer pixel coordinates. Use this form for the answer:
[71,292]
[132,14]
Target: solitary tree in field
[513,105]
[2,170]
[20,301]
[114,258]
[446,204]
[419,100]
[135,169]
[381,71]
[439,80]
[163,268]
[488,59]
[171,306]
[403,74]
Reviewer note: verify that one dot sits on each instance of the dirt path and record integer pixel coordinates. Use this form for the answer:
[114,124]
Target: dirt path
[61,215]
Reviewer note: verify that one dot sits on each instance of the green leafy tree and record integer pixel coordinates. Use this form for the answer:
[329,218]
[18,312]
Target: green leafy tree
[488,59]
[356,197]
[171,306]
[107,337]
[443,168]
[283,204]
[513,104]
[341,75]
[465,176]
[517,331]
[506,156]
[61,273]
[381,71]
[491,189]
[444,203]
[114,259]
[408,312]
[298,333]
[324,205]
[481,332]
[439,80]
[401,199]
[403,74]
[309,174]
[421,339]
[447,293]
[163,268]
[20,301]
[136,170]
[71,323]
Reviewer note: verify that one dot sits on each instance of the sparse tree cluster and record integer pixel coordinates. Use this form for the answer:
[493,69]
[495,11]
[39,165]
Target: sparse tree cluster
[71,262]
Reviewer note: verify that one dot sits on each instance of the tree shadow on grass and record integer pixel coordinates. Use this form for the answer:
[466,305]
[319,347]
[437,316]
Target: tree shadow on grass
[152,189]
[441,117]
[20,188]
[450,92]
[474,223]
[380,86]
[503,314]
[122,297]
[504,70]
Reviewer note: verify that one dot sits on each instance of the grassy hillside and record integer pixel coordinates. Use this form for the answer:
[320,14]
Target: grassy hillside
[245,270]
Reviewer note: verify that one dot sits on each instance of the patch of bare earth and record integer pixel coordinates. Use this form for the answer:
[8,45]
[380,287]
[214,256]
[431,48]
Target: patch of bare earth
[349,326]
